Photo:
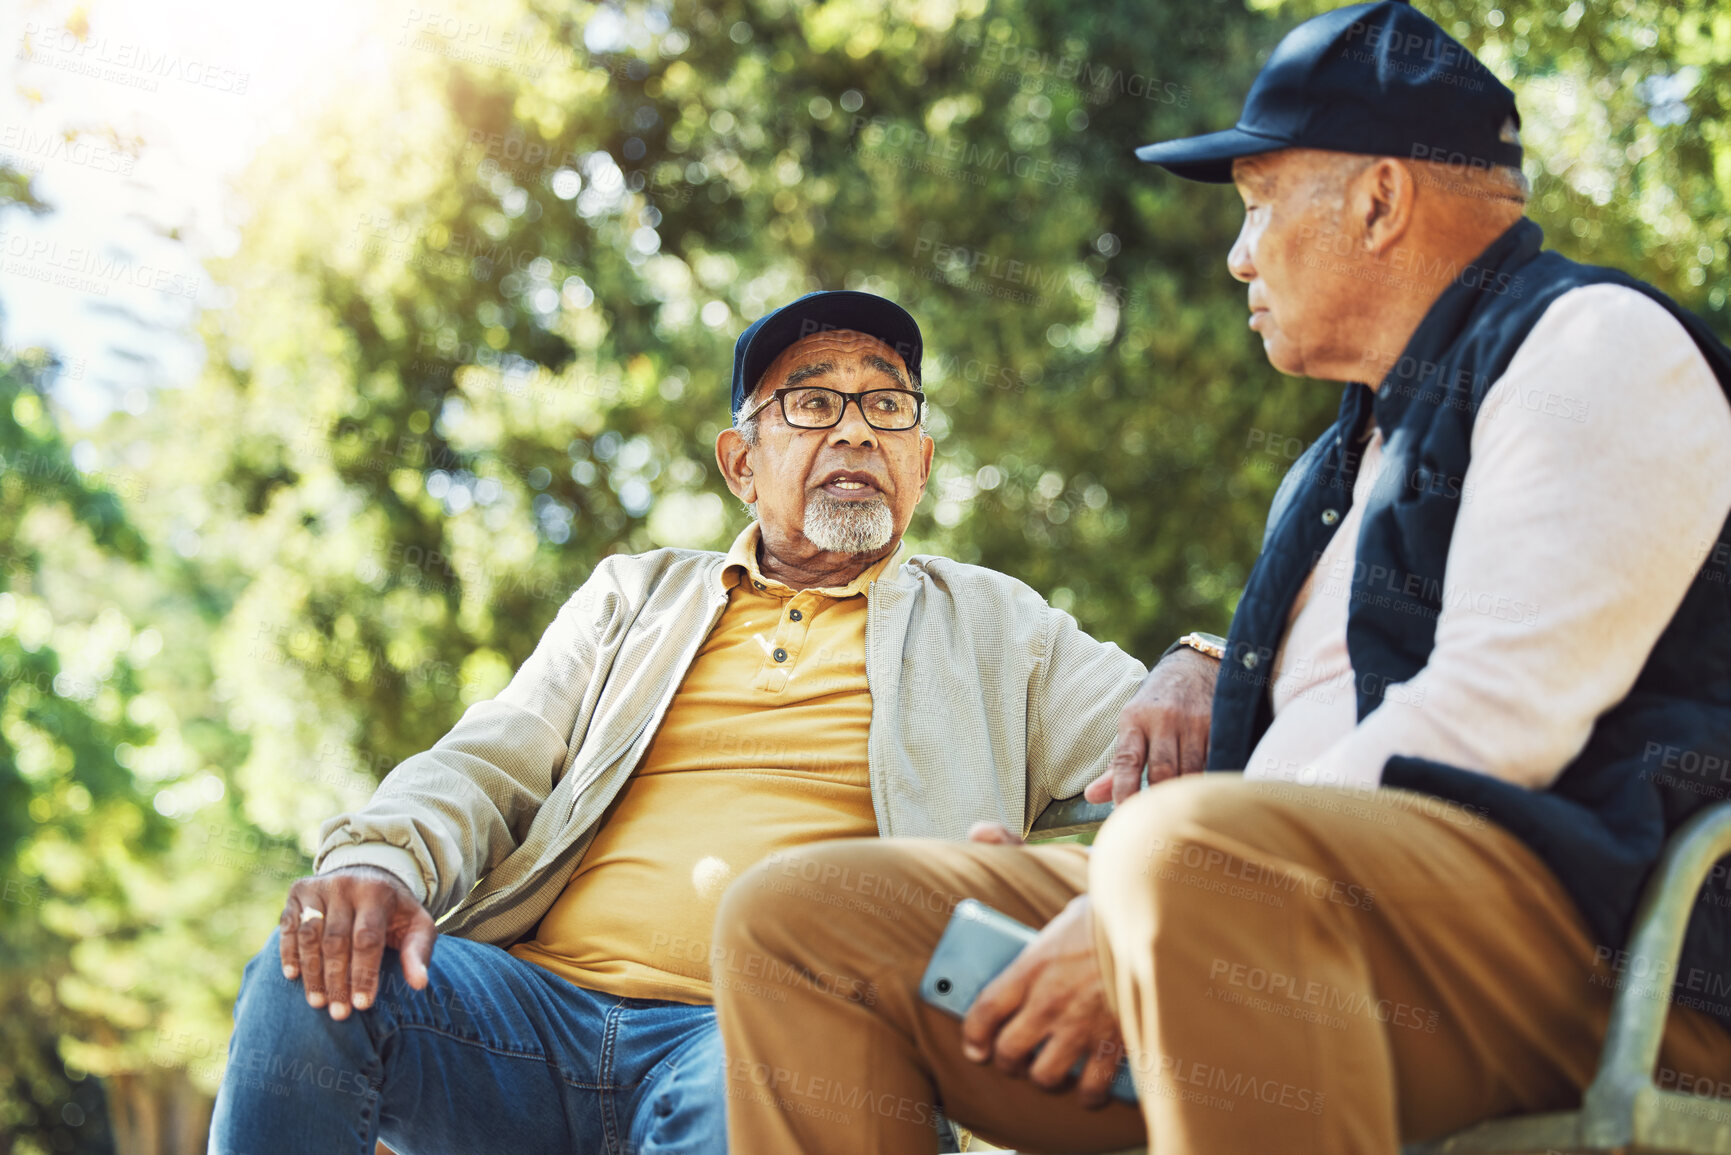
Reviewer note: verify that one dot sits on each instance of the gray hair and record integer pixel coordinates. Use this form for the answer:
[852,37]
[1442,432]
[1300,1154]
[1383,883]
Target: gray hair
[1503,182]
[1498,182]
[748,430]
[747,427]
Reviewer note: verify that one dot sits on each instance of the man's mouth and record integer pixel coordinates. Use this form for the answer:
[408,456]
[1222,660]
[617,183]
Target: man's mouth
[850,485]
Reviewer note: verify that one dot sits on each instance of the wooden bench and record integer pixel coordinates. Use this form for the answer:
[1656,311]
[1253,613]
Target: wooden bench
[1622,1112]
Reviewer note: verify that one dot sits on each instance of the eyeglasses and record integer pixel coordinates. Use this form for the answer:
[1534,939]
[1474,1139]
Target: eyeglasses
[814,407]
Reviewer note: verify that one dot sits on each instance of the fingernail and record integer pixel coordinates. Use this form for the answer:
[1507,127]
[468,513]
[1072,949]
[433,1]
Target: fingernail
[315,999]
[362,1002]
[973,1052]
[339,1010]
[290,973]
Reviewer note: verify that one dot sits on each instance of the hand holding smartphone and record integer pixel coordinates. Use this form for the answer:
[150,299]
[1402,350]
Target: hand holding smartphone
[976,946]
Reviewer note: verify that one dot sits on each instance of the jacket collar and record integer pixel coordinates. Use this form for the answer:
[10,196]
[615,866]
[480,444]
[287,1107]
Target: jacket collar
[741,564]
[1449,314]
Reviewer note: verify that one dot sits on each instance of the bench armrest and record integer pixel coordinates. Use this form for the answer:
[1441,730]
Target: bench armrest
[1069,816]
[1640,1007]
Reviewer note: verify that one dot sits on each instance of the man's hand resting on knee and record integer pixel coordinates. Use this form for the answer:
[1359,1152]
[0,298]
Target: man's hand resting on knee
[335,929]
[1163,728]
[1052,995]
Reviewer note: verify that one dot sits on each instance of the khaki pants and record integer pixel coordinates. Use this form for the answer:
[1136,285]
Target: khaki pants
[1297,970]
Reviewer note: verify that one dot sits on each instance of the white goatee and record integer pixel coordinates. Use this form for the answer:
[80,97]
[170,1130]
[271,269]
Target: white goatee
[837,525]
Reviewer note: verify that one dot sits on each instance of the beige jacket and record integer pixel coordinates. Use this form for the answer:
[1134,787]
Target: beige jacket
[987,704]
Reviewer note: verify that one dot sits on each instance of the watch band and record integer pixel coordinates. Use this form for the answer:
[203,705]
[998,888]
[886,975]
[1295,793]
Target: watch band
[1211,644]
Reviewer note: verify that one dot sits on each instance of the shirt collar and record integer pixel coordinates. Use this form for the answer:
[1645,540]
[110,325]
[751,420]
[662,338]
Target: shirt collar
[741,565]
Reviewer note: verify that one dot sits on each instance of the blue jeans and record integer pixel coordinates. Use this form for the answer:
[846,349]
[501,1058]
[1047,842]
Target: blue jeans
[496,1054]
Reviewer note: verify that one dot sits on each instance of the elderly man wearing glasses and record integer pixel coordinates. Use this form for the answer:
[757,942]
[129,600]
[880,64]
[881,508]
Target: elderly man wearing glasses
[688,716]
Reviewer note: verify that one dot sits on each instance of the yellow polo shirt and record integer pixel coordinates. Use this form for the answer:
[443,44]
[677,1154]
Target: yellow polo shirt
[762,749]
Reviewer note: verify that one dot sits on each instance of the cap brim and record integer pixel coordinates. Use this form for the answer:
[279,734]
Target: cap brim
[1208,157]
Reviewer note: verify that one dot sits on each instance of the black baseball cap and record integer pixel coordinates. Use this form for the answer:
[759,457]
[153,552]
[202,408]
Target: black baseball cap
[1377,79]
[820,312]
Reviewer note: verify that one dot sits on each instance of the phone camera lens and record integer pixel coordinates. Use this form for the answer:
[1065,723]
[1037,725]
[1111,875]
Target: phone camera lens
[943,986]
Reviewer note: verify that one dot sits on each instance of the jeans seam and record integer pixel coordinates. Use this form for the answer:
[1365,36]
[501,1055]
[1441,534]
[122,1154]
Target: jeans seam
[610,1129]
[666,1060]
[504,1052]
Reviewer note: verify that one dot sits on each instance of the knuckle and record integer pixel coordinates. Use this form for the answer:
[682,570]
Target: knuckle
[368,938]
[1047,1078]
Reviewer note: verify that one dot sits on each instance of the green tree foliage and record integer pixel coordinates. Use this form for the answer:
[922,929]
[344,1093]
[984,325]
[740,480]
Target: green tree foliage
[63,689]
[477,336]
[126,870]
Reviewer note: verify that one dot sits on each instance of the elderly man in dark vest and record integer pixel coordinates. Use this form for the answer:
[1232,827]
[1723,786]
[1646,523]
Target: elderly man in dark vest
[1480,671]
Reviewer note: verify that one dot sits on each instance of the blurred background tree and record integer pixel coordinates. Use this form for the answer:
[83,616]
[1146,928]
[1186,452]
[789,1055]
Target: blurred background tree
[476,335]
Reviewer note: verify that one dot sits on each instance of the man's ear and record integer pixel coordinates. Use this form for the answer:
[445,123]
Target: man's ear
[733,455]
[1382,197]
[927,446]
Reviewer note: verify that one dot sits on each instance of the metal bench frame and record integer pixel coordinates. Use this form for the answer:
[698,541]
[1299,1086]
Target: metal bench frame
[1622,1112]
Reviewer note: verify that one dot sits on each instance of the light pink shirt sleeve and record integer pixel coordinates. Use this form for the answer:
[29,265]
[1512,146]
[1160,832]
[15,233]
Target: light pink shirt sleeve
[1599,482]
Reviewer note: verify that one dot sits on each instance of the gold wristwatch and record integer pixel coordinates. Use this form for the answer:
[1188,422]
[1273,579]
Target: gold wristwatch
[1211,644]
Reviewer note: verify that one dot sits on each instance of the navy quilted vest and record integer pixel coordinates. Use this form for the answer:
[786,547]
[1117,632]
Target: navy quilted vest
[1652,760]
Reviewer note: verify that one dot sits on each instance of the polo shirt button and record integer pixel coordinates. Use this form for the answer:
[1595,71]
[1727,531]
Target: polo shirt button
[780,655]
[1330,516]
[1249,660]
[795,615]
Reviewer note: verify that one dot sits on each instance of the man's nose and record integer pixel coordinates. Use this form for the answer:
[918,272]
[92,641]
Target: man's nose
[1238,260]
[852,429]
